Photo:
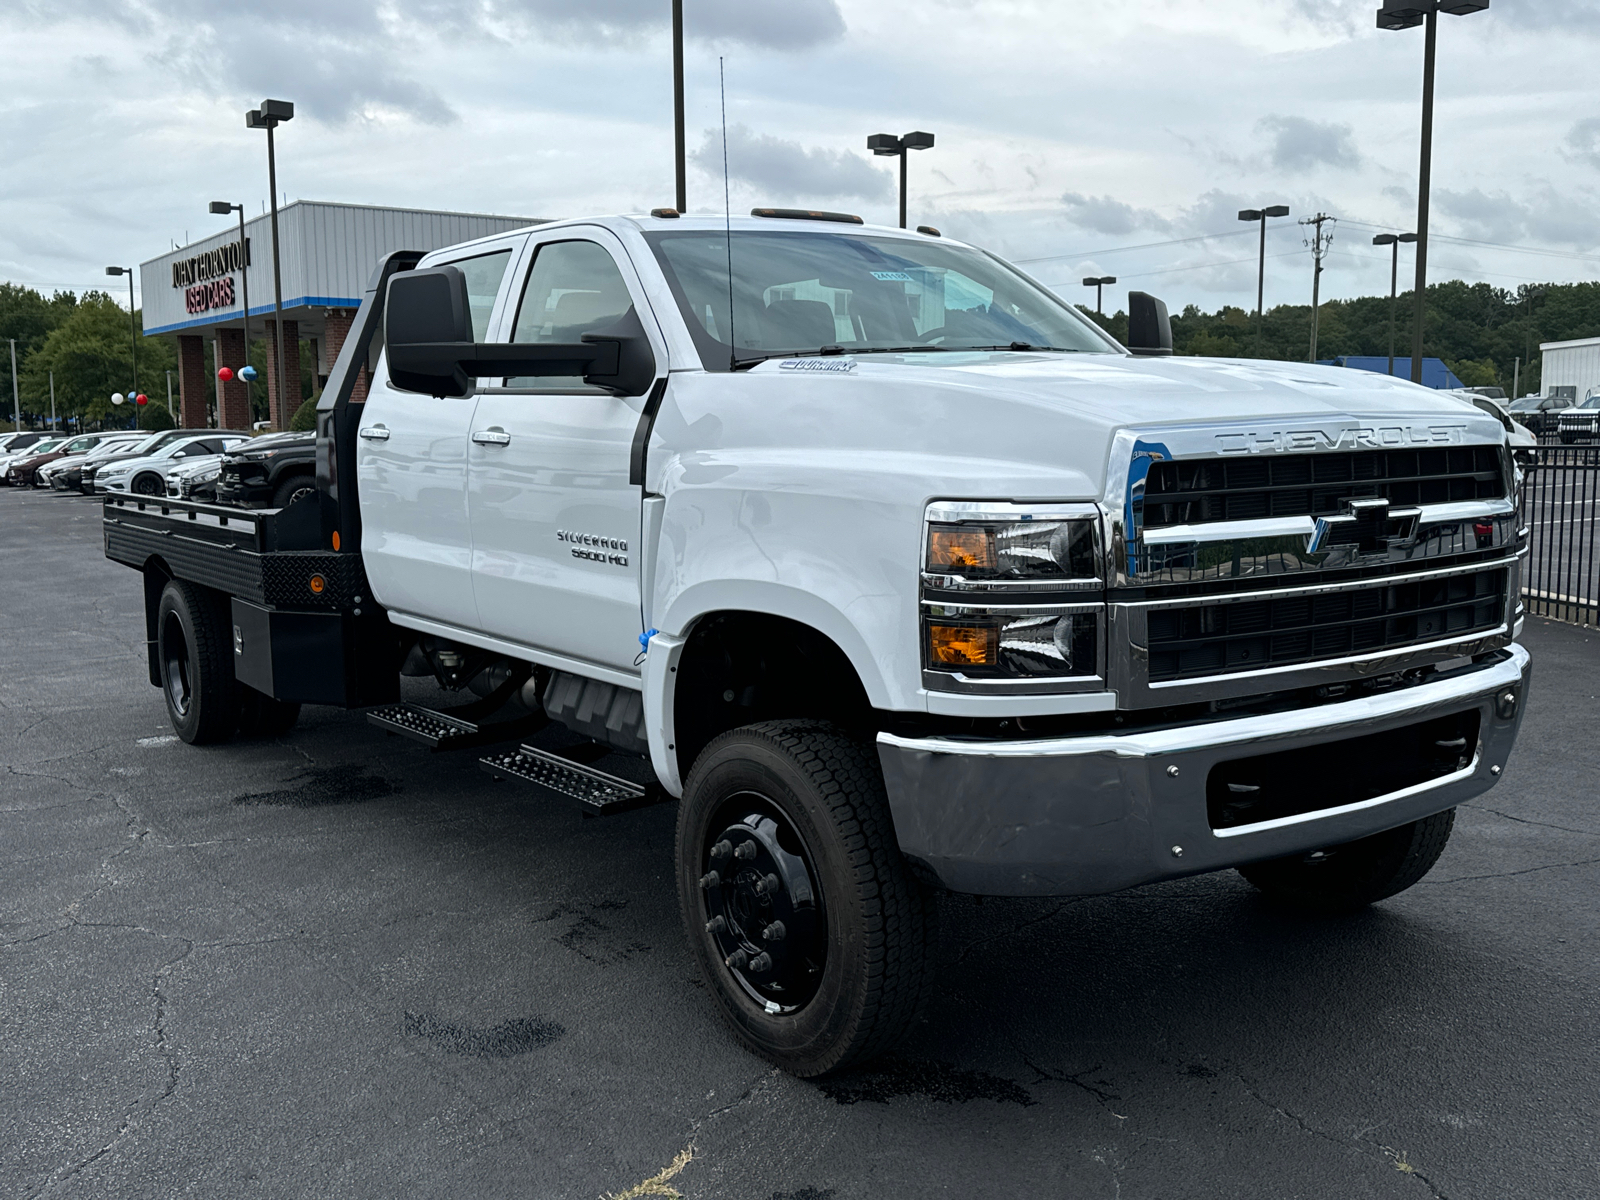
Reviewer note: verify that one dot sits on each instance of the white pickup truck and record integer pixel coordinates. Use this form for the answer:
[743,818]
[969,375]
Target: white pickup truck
[885,565]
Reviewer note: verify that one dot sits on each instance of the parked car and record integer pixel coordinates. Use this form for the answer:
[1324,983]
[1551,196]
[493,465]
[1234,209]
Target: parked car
[43,446]
[51,474]
[1580,424]
[147,476]
[153,443]
[1524,445]
[1540,413]
[272,471]
[12,443]
[196,479]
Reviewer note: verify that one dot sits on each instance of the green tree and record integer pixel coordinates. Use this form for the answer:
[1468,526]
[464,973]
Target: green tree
[155,417]
[89,353]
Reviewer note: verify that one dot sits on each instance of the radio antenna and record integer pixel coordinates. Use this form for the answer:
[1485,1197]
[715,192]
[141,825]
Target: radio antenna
[727,215]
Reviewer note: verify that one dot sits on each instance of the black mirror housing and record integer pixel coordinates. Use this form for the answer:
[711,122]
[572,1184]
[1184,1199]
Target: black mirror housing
[1149,327]
[428,339]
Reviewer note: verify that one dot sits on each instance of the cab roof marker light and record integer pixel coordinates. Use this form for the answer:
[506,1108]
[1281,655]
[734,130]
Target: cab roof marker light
[806,214]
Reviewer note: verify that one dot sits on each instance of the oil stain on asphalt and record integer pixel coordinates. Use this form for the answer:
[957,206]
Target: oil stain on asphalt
[892,1077]
[506,1040]
[317,787]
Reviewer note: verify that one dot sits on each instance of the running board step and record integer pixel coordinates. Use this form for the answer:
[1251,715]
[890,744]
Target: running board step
[594,792]
[441,731]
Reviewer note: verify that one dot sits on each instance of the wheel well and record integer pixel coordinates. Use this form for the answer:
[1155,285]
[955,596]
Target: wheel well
[738,668]
[156,576]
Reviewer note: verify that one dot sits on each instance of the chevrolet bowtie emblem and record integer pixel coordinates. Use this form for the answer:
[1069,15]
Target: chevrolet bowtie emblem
[1365,517]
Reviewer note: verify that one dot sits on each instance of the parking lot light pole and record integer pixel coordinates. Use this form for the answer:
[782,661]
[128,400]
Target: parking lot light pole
[1393,240]
[133,326]
[16,401]
[1261,214]
[269,116]
[1097,282]
[1408,14]
[222,208]
[886,145]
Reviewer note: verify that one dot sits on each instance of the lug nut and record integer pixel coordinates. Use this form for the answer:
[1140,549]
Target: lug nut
[717,924]
[765,887]
[745,850]
[722,849]
[710,880]
[774,932]
[761,962]
[738,960]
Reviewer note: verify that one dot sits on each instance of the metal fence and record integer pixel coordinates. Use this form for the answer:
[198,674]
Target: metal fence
[1560,495]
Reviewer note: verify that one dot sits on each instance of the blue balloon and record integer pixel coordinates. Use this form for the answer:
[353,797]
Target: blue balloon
[248,374]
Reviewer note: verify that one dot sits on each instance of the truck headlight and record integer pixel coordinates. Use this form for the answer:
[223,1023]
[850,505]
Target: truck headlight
[1012,594]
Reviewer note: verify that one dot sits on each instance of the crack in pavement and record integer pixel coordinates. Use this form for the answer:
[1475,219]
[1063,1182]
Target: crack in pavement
[1583,862]
[1015,931]
[1527,821]
[1103,1098]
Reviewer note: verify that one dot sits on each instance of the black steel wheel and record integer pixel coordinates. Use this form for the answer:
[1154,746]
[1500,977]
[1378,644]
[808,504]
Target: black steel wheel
[1348,877]
[812,933]
[196,662]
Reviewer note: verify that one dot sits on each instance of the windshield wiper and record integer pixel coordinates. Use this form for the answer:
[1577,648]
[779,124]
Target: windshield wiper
[744,364]
[1021,346]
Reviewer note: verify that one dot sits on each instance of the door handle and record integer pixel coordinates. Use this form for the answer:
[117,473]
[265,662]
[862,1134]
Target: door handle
[492,436]
[376,433]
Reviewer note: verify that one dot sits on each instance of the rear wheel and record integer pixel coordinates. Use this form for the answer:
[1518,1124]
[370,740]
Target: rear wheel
[196,660]
[801,912]
[1345,878]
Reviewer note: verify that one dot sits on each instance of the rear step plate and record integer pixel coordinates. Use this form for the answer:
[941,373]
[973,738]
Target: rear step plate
[594,792]
[441,731]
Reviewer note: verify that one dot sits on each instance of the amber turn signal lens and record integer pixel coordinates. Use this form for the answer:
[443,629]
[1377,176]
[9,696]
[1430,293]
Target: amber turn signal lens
[317,584]
[335,539]
[963,645]
[960,548]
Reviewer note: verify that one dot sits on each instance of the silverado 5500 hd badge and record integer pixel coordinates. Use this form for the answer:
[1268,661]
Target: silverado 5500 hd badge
[595,548]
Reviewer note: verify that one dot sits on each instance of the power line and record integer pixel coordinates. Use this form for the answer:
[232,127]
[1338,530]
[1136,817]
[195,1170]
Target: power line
[1200,237]
[1440,237]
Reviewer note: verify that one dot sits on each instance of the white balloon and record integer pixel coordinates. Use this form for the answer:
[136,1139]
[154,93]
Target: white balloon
[117,397]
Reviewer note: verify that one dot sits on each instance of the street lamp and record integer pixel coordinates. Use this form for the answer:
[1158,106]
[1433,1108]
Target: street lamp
[886,145]
[1407,14]
[1097,283]
[1394,240]
[269,116]
[222,208]
[1261,214]
[133,327]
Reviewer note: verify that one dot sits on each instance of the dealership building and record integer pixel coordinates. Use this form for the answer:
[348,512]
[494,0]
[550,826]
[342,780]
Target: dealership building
[328,255]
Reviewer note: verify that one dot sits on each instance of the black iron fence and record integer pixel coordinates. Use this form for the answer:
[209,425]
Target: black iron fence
[1560,495]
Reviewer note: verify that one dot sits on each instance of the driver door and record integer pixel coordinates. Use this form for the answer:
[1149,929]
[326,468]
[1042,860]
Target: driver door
[555,522]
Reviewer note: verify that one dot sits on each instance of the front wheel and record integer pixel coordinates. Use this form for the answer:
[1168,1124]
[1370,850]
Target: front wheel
[1339,879]
[149,485]
[291,489]
[800,910]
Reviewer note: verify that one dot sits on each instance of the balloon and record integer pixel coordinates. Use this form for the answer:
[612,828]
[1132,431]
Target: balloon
[143,399]
[248,374]
[117,397]
[225,374]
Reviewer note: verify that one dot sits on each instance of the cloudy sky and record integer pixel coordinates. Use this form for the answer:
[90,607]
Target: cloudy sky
[1077,138]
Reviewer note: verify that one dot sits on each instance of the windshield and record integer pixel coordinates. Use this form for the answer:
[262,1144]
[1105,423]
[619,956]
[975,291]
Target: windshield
[1526,404]
[798,293]
[1591,402]
[45,446]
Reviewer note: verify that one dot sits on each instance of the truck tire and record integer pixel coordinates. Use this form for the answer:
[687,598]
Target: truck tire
[263,716]
[292,488]
[194,650]
[1341,879]
[801,913]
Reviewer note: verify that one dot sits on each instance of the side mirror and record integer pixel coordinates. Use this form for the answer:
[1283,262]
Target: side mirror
[427,328]
[1149,327]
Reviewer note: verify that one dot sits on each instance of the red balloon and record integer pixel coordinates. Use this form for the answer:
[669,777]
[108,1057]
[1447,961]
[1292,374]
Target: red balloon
[143,399]
[225,374]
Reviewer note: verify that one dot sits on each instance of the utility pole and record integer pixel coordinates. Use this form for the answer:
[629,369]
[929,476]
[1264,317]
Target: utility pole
[677,104]
[1319,243]
[1516,377]
[52,399]
[169,394]
[16,396]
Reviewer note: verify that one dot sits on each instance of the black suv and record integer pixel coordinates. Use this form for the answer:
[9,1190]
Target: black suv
[271,471]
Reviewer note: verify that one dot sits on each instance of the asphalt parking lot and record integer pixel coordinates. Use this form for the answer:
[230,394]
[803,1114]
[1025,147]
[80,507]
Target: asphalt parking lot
[337,965]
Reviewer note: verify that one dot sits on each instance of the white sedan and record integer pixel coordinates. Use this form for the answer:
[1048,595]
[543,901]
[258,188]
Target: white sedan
[148,476]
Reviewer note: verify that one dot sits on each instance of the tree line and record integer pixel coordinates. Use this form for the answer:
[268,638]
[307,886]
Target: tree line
[86,342]
[1479,331]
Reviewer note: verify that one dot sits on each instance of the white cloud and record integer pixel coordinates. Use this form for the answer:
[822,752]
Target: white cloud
[1103,214]
[788,171]
[1301,144]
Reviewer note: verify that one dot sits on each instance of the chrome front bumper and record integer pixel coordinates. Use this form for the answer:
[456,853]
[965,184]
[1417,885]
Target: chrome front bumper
[1102,812]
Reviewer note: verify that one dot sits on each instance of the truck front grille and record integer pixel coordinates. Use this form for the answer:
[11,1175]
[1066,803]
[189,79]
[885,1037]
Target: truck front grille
[1222,638]
[1197,491]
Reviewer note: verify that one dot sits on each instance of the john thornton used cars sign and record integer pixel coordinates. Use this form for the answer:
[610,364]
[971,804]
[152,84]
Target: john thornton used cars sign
[207,278]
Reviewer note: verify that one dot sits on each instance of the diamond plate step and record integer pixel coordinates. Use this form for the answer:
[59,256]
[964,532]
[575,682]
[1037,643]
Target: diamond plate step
[441,731]
[594,792]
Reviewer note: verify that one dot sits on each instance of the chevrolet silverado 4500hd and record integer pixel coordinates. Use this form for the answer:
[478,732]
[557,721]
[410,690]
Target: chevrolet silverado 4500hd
[885,565]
